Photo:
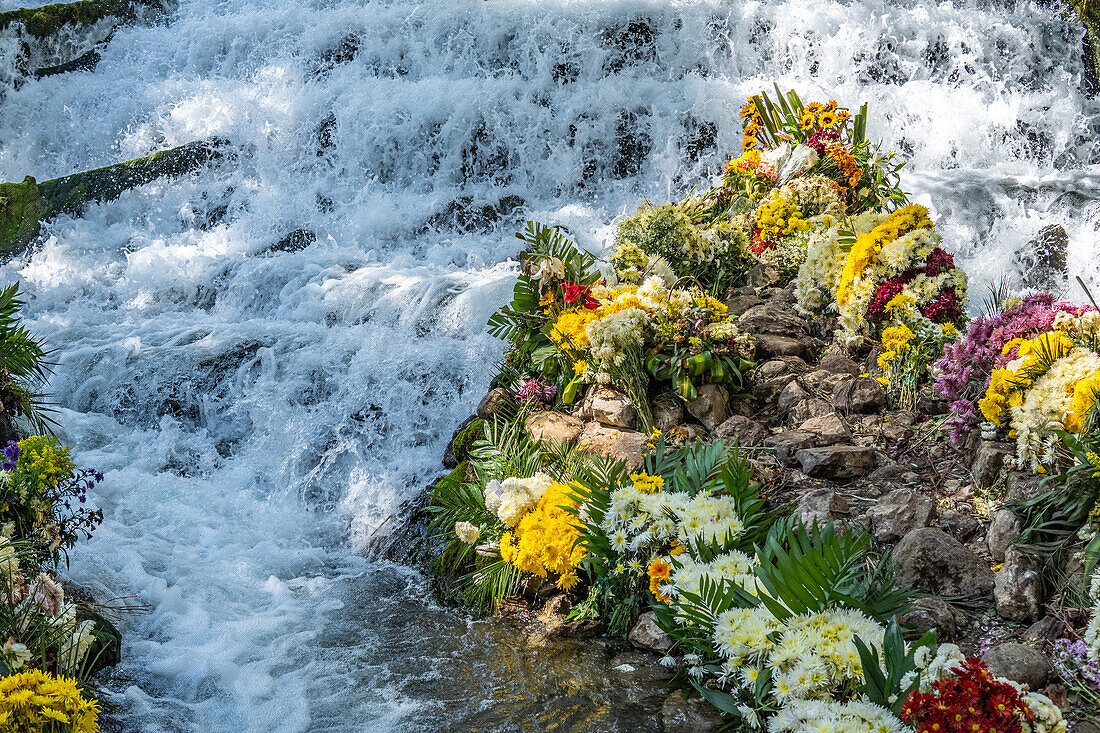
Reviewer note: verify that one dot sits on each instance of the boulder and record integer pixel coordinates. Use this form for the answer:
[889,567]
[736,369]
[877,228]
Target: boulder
[1020,663]
[1024,485]
[861,394]
[900,512]
[458,446]
[930,560]
[773,320]
[550,429]
[770,345]
[791,395]
[668,411]
[931,613]
[712,405]
[989,462]
[821,506]
[608,407]
[761,276]
[839,364]
[1003,532]
[646,634]
[963,526]
[1043,260]
[491,403]
[808,409]
[787,445]
[1018,589]
[739,304]
[836,461]
[628,446]
[829,429]
[689,715]
[1048,629]
[741,430]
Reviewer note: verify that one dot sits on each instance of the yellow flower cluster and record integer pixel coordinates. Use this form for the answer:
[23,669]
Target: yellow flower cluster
[1008,386]
[38,702]
[571,329]
[779,217]
[43,462]
[867,246]
[647,484]
[754,126]
[1085,394]
[546,539]
[895,341]
[846,162]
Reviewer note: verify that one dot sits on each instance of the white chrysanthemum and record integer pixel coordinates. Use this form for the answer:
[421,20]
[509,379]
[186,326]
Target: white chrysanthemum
[519,496]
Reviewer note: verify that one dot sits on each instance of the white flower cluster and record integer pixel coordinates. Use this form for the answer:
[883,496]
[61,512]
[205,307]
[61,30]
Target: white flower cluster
[613,335]
[821,716]
[512,498]
[1047,404]
[817,654]
[733,565]
[636,520]
[630,265]
[815,286]
[467,532]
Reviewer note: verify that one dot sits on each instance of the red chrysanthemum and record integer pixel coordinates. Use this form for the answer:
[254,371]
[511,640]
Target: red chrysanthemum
[973,701]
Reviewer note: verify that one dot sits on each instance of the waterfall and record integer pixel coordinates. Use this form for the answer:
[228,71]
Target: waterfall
[266,358]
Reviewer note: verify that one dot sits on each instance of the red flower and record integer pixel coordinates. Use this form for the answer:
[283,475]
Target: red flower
[945,308]
[938,262]
[971,702]
[574,292]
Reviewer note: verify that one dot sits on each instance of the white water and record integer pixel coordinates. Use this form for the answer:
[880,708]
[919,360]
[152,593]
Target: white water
[261,414]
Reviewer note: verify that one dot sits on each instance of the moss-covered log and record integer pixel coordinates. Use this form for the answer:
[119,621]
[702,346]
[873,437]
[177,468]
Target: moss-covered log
[24,206]
[1089,12]
[47,20]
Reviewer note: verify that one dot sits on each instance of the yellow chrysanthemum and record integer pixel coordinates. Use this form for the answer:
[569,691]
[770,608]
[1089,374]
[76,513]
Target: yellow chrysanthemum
[867,246]
[33,701]
[546,539]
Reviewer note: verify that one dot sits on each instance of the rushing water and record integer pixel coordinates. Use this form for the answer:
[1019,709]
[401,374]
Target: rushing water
[263,412]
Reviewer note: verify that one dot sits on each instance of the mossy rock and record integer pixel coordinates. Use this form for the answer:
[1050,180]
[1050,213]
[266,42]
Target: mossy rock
[1089,12]
[47,20]
[21,210]
[464,441]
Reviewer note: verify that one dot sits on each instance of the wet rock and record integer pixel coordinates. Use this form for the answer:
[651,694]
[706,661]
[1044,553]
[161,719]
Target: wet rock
[787,445]
[711,407]
[689,715]
[963,526]
[741,430]
[931,613]
[829,429]
[668,411]
[491,403]
[930,560]
[1003,532]
[646,634]
[458,449]
[628,446]
[294,241]
[1018,589]
[1019,663]
[608,407]
[861,394]
[1047,629]
[770,345]
[900,512]
[989,462]
[836,461]
[1043,260]
[773,320]
[821,505]
[549,429]
[808,410]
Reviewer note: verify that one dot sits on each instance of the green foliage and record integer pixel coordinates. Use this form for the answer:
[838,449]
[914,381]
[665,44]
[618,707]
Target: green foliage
[884,671]
[685,369]
[810,569]
[464,441]
[666,230]
[24,365]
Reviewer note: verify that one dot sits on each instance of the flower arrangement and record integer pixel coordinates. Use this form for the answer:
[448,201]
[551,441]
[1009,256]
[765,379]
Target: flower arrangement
[546,540]
[36,701]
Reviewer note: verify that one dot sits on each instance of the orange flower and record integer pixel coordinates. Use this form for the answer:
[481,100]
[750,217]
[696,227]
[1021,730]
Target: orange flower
[659,571]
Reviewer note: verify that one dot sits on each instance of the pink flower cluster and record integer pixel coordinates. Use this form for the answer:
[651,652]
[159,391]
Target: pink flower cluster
[966,365]
[537,389]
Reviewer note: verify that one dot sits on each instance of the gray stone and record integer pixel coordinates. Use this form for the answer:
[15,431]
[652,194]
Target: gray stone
[821,506]
[989,462]
[668,411]
[608,407]
[1018,589]
[1048,629]
[900,512]
[963,526]
[738,304]
[824,381]
[1018,662]
[646,634]
[1024,485]
[773,320]
[839,364]
[808,409]
[1003,532]
[550,429]
[1043,260]
[828,428]
[770,345]
[768,390]
[491,403]
[791,395]
[931,613]
[689,715]
[861,394]
[711,407]
[741,430]
[628,446]
[930,560]
[836,461]
[761,276]
[787,445]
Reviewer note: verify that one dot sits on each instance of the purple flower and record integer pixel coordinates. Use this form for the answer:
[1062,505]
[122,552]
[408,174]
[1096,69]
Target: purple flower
[11,454]
[537,389]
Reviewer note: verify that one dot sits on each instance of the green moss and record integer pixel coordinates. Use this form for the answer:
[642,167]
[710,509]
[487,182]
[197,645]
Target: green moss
[49,19]
[1089,12]
[21,211]
[462,442]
